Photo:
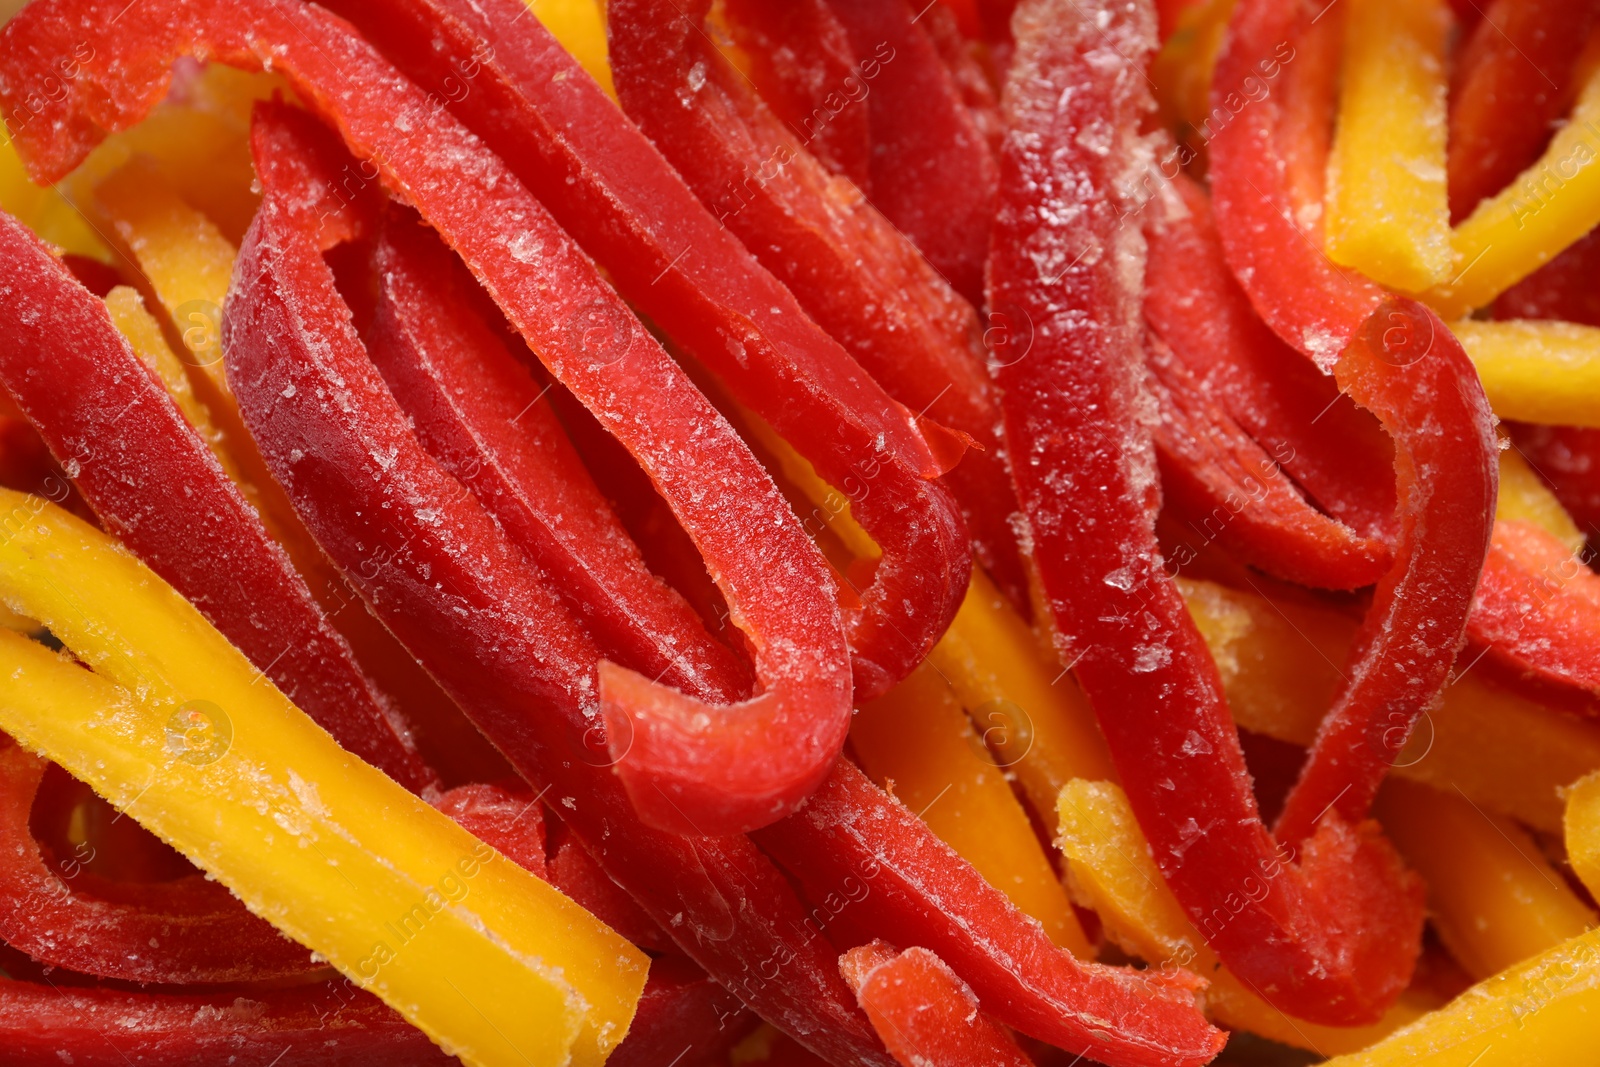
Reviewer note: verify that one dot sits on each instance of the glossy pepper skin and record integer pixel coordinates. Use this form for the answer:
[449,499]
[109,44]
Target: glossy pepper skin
[924,1013]
[1395,358]
[188,930]
[462,598]
[693,766]
[607,186]
[1332,937]
[151,480]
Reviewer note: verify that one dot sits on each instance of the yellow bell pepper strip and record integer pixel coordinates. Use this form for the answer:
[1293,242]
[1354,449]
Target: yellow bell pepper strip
[1493,898]
[1512,80]
[917,742]
[152,481]
[1110,869]
[1581,823]
[46,211]
[1033,717]
[1537,371]
[925,1014]
[176,728]
[1336,939]
[1279,661]
[1387,213]
[1524,496]
[173,932]
[443,576]
[1545,209]
[143,332]
[532,104]
[1541,1011]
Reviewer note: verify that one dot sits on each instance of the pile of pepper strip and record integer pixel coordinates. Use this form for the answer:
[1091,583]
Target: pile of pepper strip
[666,382]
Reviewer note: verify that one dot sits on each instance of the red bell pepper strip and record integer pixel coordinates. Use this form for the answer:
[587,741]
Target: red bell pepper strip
[691,765]
[1395,358]
[930,170]
[1512,81]
[1335,451]
[1230,490]
[965,61]
[1568,459]
[925,1014]
[1537,616]
[507,817]
[575,872]
[188,930]
[684,1019]
[1333,938]
[155,484]
[531,101]
[851,270]
[806,68]
[481,414]
[460,596]
[331,1024]
[867,860]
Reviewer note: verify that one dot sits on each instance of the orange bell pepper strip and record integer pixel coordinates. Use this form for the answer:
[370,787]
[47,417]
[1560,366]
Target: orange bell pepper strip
[917,742]
[1280,662]
[1493,898]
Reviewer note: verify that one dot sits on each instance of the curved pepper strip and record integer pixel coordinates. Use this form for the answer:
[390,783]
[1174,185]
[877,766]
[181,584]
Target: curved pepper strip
[1333,938]
[1194,303]
[904,883]
[328,1024]
[551,123]
[155,483]
[1537,616]
[190,930]
[720,768]
[481,414]
[802,61]
[1395,358]
[1511,83]
[933,175]
[852,272]
[442,575]
[1230,490]
[925,1014]
[1493,898]
[1110,869]
[246,787]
